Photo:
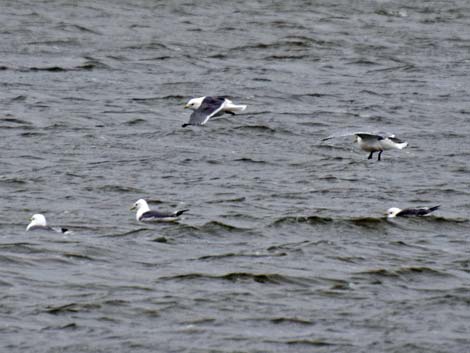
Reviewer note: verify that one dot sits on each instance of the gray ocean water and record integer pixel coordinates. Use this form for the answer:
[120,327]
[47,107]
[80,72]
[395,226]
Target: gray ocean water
[285,247]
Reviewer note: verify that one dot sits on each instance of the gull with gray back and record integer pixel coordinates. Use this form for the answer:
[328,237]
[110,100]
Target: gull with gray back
[371,142]
[208,107]
[145,214]
[410,212]
[38,223]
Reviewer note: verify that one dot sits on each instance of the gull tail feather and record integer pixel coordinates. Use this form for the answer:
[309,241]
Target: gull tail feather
[235,108]
[401,146]
[180,212]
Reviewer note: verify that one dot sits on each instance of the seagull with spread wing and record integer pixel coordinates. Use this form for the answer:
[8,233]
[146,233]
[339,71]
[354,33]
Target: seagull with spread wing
[208,107]
[371,142]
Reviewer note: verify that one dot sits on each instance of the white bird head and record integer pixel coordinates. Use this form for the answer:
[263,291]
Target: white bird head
[194,103]
[37,220]
[392,212]
[141,206]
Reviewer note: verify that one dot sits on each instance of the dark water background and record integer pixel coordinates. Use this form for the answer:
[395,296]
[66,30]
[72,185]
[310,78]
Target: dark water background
[285,248]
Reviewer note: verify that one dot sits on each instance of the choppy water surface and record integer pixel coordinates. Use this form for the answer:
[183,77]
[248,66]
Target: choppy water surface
[285,248]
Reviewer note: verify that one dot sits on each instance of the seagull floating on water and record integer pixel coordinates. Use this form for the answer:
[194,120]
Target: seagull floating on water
[38,222]
[144,214]
[410,212]
[372,143]
[208,107]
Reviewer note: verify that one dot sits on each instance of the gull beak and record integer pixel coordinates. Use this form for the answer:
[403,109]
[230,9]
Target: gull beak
[186,106]
[132,208]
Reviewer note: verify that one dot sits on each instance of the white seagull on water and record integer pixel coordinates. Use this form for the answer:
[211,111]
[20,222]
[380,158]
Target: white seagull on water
[38,222]
[410,212]
[208,107]
[144,214]
[372,143]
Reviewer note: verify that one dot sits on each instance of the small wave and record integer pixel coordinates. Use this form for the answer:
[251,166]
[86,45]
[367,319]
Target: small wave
[311,342]
[12,181]
[258,128]
[22,247]
[72,308]
[86,63]
[249,160]
[361,61]
[163,240]
[290,25]
[285,44]
[412,270]
[20,98]
[119,188]
[373,93]
[7,260]
[235,199]
[217,226]
[155,99]
[391,13]
[48,68]
[134,122]
[302,219]
[68,27]
[230,255]
[124,234]
[443,220]
[58,42]
[236,277]
[291,320]
[406,67]
[363,222]
[403,272]
[306,342]
[70,326]
[367,221]
[78,257]
[286,57]
[218,56]
[91,65]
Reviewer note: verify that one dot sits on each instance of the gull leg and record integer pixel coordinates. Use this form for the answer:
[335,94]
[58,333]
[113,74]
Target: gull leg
[380,153]
[370,155]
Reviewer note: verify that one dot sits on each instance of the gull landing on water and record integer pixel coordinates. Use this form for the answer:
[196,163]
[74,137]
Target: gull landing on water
[208,107]
[144,214]
[410,212]
[38,222]
[372,143]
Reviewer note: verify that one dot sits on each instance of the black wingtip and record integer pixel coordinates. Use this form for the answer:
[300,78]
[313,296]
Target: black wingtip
[434,208]
[64,230]
[180,212]
[184,125]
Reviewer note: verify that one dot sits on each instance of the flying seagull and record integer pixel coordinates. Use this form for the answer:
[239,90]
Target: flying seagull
[144,214]
[372,143]
[410,212]
[208,107]
[38,222]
